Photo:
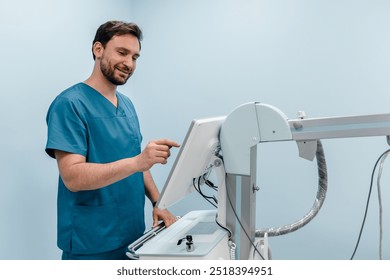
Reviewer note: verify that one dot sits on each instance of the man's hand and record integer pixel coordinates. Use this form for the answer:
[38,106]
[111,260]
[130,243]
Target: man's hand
[157,151]
[163,215]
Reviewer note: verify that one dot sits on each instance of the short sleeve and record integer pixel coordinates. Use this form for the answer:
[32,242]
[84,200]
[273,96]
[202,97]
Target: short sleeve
[66,128]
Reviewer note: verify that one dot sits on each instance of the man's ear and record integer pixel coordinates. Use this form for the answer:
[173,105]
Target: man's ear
[97,49]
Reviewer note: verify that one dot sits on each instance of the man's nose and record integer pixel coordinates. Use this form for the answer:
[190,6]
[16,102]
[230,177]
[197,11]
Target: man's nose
[129,63]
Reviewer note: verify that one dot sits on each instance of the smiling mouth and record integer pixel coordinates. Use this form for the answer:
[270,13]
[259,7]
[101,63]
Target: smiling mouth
[123,71]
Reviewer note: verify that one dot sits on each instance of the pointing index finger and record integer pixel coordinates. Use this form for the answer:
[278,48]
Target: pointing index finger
[168,143]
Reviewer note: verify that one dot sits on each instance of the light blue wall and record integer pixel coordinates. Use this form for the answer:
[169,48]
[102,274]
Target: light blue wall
[203,58]
[45,48]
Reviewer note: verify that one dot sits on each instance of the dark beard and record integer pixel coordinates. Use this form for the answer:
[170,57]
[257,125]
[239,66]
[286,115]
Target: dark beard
[109,73]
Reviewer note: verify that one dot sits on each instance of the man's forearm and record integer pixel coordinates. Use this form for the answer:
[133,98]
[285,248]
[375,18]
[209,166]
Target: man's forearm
[79,175]
[150,187]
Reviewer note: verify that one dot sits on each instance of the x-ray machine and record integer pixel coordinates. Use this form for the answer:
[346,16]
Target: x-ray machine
[228,146]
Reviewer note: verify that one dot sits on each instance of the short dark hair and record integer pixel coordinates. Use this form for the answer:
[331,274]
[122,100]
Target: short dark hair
[113,28]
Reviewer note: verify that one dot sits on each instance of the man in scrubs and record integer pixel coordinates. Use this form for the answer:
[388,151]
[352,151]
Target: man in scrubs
[94,134]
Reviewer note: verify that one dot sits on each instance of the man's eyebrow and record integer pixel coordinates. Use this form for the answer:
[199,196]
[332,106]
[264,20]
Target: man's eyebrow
[126,50]
[122,49]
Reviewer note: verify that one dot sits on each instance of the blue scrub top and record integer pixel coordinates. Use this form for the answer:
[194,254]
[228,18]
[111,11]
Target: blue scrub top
[82,121]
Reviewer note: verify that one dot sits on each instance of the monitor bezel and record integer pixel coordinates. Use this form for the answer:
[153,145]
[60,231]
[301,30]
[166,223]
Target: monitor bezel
[193,160]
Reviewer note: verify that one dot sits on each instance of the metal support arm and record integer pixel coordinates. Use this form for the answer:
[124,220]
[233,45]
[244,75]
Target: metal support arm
[254,123]
[245,127]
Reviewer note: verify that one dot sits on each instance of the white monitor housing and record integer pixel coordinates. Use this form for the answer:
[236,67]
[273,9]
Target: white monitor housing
[193,160]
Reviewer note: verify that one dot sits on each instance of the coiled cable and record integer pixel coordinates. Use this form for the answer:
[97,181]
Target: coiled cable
[320,198]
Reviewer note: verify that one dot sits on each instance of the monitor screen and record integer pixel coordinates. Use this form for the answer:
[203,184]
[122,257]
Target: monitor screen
[193,160]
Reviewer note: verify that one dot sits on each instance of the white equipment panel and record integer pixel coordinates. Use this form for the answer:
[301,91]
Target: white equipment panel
[209,240]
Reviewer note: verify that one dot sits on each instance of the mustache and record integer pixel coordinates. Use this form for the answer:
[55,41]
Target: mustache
[124,69]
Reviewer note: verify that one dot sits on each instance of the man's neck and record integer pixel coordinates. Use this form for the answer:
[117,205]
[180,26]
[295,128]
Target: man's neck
[104,87]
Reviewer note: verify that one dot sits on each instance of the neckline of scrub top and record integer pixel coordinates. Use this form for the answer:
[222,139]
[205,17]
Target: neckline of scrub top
[118,109]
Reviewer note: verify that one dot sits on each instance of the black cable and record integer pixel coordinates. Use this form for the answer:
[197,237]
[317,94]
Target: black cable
[367,203]
[225,228]
[206,196]
[241,225]
[211,185]
[201,193]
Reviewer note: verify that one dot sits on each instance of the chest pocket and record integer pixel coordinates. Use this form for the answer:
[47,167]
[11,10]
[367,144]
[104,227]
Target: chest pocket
[113,138]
